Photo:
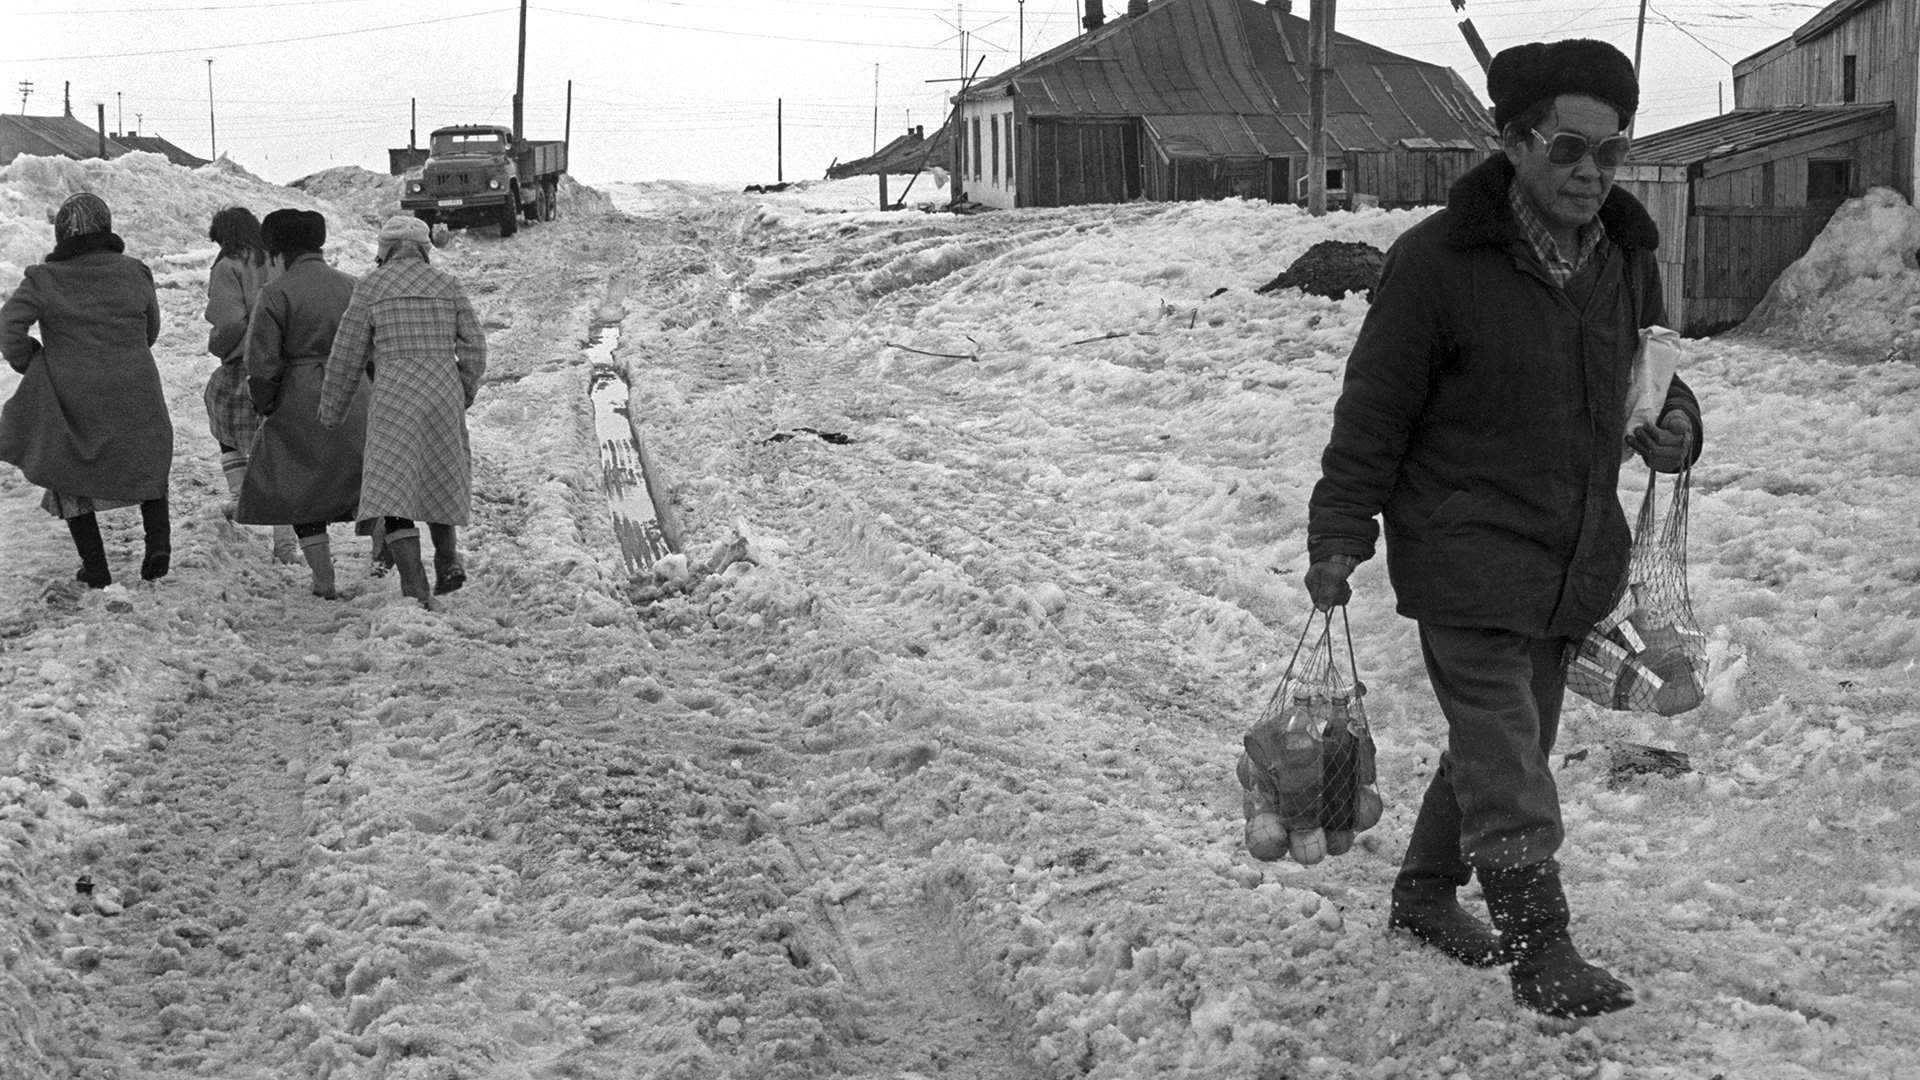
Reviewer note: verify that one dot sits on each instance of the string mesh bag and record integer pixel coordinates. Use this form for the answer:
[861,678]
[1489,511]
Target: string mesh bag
[1307,765]
[1648,654]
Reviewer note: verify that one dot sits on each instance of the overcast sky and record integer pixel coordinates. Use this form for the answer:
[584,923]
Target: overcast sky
[723,90]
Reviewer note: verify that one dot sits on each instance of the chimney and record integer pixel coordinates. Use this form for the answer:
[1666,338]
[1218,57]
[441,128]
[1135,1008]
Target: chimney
[1136,8]
[1096,15]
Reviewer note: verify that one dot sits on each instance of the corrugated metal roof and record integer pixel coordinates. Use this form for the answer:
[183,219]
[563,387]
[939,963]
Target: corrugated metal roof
[1748,129]
[1184,59]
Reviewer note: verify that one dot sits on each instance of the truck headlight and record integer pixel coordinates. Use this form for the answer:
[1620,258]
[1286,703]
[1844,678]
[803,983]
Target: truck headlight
[415,187]
[494,184]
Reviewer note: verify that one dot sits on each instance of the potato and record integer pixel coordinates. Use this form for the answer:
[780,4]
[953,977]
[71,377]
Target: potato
[1266,836]
[1307,846]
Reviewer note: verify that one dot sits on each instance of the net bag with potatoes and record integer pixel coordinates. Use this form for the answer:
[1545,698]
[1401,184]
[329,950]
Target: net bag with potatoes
[1306,770]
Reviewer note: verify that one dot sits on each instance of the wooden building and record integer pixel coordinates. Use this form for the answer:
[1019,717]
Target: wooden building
[1207,99]
[1851,52]
[1739,197]
[53,136]
[1818,118]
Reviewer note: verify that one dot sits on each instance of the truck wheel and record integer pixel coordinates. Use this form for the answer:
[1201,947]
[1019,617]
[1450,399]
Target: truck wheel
[509,218]
[549,200]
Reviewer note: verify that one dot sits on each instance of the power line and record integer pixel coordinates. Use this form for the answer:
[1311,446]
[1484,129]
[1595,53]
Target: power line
[252,44]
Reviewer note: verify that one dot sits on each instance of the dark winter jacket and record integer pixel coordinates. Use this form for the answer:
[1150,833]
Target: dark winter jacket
[1481,418]
[89,417]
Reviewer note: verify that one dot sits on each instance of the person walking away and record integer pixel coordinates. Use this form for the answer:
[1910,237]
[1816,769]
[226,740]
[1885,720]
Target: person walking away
[1480,418]
[300,473]
[412,329]
[89,420]
[239,270]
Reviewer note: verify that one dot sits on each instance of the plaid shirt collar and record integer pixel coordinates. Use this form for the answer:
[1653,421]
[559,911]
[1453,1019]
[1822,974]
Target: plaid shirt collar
[1540,239]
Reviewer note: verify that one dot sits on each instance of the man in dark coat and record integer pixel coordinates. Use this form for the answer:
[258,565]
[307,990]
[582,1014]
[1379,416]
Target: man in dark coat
[1481,419]
[300,473]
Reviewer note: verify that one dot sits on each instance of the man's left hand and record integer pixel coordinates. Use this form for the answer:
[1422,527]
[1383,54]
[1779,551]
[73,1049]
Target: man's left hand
[1667,448]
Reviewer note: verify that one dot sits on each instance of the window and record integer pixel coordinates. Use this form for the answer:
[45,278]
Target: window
[1849,86]
[1828,182]
[1336,179]
[976,148]
[1009,150]
[994,164]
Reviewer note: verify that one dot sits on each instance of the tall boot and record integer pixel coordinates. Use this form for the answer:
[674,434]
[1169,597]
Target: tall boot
[1424,902]
[318,551]
[404,546]
[286,545]
[93,572]
[449,573]
[157,523]
[233,466]
[1548,975]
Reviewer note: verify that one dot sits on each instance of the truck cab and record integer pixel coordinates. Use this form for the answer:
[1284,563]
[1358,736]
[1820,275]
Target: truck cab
[479,174]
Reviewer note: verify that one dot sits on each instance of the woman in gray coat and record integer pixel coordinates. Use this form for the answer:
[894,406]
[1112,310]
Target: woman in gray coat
[89,421]
[300,474]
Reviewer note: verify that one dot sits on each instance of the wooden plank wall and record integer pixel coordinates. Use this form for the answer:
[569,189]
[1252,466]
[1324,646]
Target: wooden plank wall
[1884,40]
[1404,178]
[1663,191]
[1075,164]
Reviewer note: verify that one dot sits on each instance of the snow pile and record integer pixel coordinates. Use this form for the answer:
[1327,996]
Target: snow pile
[1858,283]
[920,760]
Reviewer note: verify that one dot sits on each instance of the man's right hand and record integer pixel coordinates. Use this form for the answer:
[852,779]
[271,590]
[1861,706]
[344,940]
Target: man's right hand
[1327,583]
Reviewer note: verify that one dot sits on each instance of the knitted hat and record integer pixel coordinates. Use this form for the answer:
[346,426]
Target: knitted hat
[287,232]
[1526,74]
[401,230]
[81,215]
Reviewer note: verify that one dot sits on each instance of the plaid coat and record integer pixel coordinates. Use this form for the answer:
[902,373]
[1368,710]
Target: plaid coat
[410,327]
[232,286]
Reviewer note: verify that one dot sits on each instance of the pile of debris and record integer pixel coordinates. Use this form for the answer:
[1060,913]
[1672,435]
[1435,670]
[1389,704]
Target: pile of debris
[1332,268]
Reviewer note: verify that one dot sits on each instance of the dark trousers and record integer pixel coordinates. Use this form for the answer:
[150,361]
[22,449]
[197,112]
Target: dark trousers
[1501,694]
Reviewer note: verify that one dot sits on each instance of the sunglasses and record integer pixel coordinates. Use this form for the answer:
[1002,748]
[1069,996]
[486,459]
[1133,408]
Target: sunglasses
[1567,148]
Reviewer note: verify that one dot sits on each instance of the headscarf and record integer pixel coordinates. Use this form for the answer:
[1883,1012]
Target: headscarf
[82,214]
[403,231]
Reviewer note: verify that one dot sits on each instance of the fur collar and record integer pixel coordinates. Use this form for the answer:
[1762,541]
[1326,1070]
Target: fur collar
[1478,214]
[86,244]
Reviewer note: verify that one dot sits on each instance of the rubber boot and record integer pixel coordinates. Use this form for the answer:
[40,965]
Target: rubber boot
[286,546]
[93,572]
[158,524]
[1424,901]
[233,465]
[449,573]
[404,546]
[318,551]
[1548,975]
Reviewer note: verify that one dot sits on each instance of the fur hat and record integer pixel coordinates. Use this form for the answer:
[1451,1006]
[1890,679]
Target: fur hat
[1529,73]
[288,232]
[80,215]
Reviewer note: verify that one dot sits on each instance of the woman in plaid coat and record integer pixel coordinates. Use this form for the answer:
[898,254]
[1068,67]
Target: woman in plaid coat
[411,327]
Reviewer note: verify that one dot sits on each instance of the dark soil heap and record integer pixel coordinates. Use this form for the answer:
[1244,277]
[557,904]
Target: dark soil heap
[1332,268]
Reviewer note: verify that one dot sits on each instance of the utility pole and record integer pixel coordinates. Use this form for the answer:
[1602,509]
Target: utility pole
[779,140]
[26,89]
[212,138]
[520,74]
[1639,33]
[119,114]
[1023,31]
[876,110]
[1319,38]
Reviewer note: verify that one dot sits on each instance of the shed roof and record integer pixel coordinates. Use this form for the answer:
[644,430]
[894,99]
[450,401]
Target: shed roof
[154,144]
[1829,18]
[63,136]
[1185,59]
[1743,130]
